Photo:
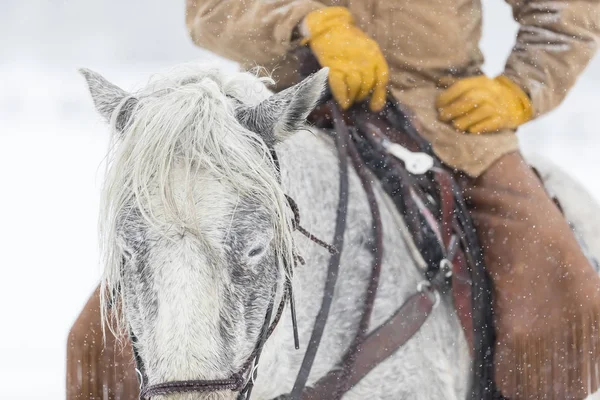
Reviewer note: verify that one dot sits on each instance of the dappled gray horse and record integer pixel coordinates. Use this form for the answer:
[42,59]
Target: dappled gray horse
[196,235]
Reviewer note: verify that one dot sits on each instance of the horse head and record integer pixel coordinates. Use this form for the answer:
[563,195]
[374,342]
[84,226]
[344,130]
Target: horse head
[195,229]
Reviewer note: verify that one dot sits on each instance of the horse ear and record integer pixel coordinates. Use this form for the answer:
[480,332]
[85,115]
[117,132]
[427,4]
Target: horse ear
[108,97]
[284,113]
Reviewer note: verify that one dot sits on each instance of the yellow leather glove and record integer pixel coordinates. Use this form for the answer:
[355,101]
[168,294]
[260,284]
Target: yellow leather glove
[481,104]
[357,67]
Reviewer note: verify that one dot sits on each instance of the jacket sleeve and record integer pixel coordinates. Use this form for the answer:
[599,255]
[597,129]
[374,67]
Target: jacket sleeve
[556,40]
[251,32]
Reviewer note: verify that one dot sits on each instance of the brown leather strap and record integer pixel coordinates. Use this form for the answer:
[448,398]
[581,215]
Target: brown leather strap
[462,287]
[447,206]
[378,345]
[461,278]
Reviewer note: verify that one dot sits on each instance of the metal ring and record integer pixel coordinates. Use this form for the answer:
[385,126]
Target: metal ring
[141,377]
[437,300]
[253,372]
[446,265]
[422,285]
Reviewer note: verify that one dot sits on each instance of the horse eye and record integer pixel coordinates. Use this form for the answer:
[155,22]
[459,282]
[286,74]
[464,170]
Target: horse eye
[256,251]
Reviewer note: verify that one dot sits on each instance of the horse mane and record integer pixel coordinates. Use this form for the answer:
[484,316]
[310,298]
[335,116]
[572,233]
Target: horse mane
[183,120]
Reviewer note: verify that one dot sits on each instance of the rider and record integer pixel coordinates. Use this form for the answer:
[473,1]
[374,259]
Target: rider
[546,295]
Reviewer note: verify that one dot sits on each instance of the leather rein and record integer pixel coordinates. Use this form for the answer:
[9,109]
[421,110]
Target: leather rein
[366,350]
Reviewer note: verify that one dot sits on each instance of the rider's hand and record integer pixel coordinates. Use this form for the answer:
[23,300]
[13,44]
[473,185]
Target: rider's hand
[481,104]
[356,65]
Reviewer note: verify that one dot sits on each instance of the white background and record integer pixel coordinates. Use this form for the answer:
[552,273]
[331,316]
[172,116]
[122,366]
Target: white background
[52,146]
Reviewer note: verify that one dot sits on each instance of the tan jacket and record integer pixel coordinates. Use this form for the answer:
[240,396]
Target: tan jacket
[428,44]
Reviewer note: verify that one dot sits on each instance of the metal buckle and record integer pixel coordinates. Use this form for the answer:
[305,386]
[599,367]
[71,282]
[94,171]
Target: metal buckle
[141,378]
[446,267]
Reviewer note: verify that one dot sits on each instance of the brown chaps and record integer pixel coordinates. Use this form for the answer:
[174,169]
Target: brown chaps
[98,370]
[546,292]
[546,300]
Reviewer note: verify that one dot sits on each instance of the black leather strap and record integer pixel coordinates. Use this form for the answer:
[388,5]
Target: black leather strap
[334,261]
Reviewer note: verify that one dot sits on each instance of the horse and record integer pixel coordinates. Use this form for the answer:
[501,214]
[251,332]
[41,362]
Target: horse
[198,241]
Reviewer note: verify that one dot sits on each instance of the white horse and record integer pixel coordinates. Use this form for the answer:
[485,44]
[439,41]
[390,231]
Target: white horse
[195,230]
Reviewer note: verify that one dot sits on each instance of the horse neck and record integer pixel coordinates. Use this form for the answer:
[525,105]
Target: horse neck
[310,175]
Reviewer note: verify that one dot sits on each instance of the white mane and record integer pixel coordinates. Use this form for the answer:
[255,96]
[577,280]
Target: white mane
[184,120]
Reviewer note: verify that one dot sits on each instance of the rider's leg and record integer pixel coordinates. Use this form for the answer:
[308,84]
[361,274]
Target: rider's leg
[98,370]
[546,293]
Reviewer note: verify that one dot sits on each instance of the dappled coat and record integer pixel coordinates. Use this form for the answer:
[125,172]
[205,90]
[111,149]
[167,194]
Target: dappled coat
[428,45]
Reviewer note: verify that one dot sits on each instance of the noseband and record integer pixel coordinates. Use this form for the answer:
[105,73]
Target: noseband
[241,381]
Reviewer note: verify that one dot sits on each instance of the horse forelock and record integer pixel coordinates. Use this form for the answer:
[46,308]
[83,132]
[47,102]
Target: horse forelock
[183,126]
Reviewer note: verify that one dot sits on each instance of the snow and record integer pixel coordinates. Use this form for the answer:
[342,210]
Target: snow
[52,146]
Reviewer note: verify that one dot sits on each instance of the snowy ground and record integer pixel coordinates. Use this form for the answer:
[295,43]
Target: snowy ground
[52,146]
